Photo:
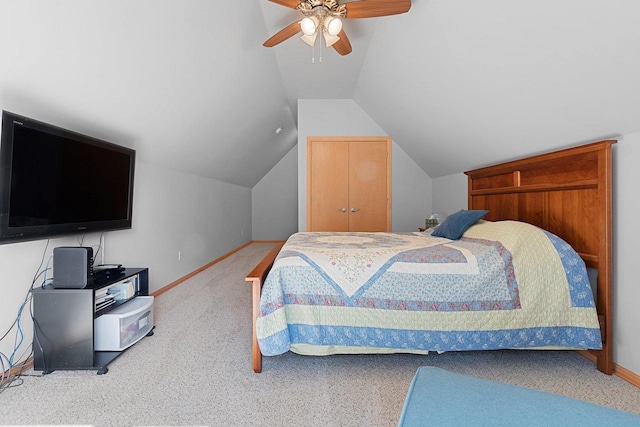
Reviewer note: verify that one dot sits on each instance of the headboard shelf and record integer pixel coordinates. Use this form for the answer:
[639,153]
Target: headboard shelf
[576,185]
[569,193]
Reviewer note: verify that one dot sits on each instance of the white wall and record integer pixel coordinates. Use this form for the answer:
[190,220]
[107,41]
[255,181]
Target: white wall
[411,186]
[173,211]
[626,234]
[274,201]
[450,195]
[410,192]
[177,212]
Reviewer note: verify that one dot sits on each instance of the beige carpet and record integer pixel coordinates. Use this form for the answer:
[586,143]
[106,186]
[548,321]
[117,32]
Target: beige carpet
[196,370]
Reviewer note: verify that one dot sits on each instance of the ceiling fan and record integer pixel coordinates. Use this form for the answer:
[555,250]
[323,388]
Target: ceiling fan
[325,17]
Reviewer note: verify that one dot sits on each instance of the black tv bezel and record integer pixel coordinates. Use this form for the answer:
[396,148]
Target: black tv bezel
[40,232]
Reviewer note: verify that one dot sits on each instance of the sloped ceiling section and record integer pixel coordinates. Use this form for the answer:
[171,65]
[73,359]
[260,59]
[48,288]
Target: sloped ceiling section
[456,83]
[186,83]
[318,73]
[463,84]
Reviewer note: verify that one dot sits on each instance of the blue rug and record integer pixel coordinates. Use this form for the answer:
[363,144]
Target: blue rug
[441,398]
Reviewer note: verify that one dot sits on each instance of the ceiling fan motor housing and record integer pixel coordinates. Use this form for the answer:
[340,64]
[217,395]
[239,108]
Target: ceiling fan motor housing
[322,7]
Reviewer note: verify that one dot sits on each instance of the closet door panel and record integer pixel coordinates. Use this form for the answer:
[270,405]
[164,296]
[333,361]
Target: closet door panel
[368,183]
[328,165]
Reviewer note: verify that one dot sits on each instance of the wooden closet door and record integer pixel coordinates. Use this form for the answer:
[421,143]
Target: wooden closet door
[328,186]
[368,186]
[349,184]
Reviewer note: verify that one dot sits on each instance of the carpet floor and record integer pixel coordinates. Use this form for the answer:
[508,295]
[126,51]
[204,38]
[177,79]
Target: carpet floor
[196,370]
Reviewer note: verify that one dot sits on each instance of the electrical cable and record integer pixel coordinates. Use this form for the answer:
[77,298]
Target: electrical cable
[3,369]
[38,272]
[47,268]
[95,256]
[8,330]
[7,377]
[17,342]
[37,341]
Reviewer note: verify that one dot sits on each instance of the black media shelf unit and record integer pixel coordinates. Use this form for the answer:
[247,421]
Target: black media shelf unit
[63,324]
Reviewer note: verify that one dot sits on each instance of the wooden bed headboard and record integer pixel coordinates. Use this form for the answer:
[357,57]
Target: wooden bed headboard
[569,193]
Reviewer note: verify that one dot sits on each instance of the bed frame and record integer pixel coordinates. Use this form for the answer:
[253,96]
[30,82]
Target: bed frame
[567,192]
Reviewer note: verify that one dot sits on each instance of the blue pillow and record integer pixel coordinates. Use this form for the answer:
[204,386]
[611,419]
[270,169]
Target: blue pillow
[456,224]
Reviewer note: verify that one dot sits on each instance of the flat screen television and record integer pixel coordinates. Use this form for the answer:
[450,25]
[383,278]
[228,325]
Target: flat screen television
[56,182]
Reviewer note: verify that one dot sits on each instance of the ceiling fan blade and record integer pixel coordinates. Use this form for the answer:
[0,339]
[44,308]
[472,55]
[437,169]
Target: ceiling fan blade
[285,33]
[375,8]
[342,46]
[287,3]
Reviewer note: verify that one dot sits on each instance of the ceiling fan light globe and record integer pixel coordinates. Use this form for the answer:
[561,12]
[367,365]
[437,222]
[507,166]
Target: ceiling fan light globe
[309,39]
[329,39]
[308,25]
[333,25]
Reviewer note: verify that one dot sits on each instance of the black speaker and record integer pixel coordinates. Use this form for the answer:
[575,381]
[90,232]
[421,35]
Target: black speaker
[72,267]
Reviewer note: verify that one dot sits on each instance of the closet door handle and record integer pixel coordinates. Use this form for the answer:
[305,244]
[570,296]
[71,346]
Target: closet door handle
[343,210]
[354,210]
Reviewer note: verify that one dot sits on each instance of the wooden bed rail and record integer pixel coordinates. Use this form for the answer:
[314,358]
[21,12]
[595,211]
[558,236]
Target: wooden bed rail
[257,278]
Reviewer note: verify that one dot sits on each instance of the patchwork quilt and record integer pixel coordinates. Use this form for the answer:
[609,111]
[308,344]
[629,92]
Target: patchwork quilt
[504,284]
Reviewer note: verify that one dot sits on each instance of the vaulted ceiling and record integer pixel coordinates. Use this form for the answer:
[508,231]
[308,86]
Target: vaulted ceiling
[457,84]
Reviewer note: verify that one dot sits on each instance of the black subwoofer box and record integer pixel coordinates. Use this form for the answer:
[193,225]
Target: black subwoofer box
[72,267]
